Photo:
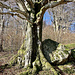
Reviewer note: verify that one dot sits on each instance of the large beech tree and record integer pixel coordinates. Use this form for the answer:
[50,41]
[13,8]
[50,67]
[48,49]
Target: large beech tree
[32,11]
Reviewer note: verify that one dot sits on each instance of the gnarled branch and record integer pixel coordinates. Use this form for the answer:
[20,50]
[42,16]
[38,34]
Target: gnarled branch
[49,5]
[43,2]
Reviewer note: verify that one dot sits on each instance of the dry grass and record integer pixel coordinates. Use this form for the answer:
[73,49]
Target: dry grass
[60,37]
[5,69]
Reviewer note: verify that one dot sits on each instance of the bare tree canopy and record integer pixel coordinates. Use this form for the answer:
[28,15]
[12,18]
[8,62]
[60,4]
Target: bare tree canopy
[23,7]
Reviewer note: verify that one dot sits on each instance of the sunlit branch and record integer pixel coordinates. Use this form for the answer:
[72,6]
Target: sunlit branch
[48,5]
[43,2]
[30,3]
[21,5]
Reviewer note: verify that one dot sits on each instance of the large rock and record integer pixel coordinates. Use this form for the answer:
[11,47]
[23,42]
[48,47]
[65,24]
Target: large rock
[54,52]
[72,57]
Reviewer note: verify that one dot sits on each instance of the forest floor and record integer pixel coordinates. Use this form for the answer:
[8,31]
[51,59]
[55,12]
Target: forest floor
[5,69]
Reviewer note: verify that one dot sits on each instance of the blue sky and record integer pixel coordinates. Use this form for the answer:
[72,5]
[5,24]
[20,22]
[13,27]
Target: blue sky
[72,27]
[47,18]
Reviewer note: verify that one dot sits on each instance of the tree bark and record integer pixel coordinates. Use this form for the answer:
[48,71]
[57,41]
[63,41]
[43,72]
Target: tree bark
[1,46]
[2,31]
[33,42]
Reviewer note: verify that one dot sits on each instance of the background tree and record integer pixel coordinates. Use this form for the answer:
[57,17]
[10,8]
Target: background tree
[2,31]
[63,19]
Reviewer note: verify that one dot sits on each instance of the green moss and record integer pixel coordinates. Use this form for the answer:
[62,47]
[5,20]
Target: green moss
[47,65]
[70,46]
[68,70]
[61,67]
[53,70]
[24,73]
[57,56]
[59,45]
[51,57]
[73,53]
[23,45]
[29,71]
[13,60]
[21,52]
[65,51]
[62,54]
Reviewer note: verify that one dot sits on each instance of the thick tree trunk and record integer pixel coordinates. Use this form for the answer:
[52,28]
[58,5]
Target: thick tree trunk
[33,42]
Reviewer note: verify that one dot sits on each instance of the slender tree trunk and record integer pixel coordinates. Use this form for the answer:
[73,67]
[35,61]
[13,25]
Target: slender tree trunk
[2,26]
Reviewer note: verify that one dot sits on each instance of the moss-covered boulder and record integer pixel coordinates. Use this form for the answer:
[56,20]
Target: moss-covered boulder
[73,53]
[56,53]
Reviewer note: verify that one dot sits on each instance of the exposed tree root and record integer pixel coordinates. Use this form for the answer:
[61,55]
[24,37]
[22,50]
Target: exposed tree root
[39,64]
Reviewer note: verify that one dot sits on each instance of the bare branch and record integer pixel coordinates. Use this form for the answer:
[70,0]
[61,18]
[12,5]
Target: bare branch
[12,14]
[49,5]
[4,0]
[15,14]
[12,10]
[69,0]
[53,4]
[30,3]
[21,12]
[44,2]
[5,6]
[56,3]
[21,5]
